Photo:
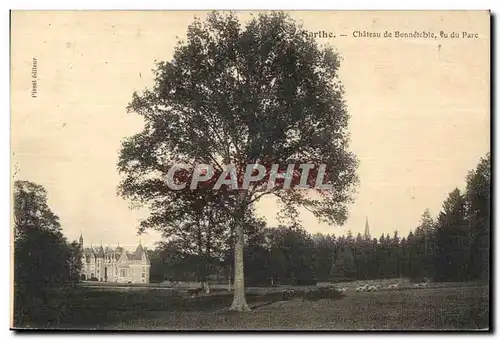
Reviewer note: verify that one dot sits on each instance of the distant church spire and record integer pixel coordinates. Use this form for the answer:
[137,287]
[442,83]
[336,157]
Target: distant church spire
[367,231]
[80,241]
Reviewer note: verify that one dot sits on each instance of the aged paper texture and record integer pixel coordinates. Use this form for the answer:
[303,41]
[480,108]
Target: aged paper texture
[302,170]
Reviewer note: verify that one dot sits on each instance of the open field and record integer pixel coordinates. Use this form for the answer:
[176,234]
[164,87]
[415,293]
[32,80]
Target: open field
[445,306]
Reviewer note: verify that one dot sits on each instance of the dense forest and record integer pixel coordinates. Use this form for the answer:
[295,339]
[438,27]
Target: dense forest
[452,246]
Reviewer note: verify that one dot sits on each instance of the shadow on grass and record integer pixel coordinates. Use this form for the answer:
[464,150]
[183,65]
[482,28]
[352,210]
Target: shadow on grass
[312,295]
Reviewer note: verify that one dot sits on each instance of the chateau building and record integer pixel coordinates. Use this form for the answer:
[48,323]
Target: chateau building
[115,265]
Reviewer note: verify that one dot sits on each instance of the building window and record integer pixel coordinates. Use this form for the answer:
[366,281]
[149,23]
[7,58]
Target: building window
[123,272]
[143,272]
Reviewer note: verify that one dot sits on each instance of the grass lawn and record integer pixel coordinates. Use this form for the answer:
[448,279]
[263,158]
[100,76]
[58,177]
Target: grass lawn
[443,307]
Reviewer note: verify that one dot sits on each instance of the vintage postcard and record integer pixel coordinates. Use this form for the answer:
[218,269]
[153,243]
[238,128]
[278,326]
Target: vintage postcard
[218,170]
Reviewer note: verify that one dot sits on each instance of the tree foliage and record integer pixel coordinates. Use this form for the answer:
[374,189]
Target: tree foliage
[43,260]
[260,93]
[31,210]
[478,196]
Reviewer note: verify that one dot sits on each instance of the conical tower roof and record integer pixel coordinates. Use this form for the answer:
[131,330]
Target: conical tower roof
[367,231]
[138,251]
[100,251]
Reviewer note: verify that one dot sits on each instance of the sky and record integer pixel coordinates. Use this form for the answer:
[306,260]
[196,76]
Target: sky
[419,109]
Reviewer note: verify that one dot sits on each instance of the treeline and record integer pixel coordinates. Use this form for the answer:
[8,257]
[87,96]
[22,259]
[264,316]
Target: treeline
[44,261]
[453,246]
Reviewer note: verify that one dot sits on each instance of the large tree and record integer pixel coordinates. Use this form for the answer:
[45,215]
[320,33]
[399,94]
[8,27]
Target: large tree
[478,195]
[263,92]
[452,239]
[42,257]
[425,244]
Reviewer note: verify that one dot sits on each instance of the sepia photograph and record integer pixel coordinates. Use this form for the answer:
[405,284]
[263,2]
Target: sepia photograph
[250,170]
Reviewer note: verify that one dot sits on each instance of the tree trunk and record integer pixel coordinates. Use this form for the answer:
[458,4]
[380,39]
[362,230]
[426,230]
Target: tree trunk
[229,279]
[239,301]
